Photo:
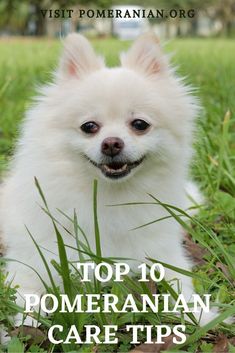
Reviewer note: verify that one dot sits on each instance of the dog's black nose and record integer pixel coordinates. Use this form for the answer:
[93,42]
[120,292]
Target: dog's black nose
[112,146]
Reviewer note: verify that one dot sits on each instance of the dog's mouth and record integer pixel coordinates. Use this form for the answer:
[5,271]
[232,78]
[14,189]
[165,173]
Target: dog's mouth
[117,169]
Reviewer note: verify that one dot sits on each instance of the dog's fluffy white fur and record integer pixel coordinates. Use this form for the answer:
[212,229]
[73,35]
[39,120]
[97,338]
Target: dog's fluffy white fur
[53,148]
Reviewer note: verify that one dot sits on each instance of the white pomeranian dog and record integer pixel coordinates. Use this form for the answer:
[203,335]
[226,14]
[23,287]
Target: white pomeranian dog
[129,127]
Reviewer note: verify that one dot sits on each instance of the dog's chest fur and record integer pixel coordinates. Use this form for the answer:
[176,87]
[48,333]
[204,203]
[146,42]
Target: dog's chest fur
[118,239]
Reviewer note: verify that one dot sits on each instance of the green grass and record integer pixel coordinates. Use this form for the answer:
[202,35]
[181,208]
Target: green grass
[209,66]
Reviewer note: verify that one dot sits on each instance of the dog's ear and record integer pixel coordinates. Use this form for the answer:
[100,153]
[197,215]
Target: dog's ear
[146,56]
[78,58]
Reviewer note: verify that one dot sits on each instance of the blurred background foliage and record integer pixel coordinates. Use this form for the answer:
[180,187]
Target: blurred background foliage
[16,16]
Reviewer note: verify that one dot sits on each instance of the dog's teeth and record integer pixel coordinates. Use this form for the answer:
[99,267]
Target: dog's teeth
[107,169]
[112,170]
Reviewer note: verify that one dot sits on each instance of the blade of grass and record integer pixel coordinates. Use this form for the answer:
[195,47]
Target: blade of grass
[199,333]
[96,224]
[226,255]
[44,262]
[180,270]
[63,263]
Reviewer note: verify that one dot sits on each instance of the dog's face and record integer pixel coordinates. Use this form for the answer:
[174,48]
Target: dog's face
[125,119]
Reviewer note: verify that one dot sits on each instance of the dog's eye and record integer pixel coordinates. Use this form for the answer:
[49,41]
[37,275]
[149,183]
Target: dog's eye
[90,127]
[139,125]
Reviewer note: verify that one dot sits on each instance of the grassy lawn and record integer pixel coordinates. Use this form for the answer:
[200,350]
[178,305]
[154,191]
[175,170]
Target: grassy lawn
[208,65]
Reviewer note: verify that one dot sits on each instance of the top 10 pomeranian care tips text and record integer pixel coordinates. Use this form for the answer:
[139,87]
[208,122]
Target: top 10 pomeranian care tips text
[110,303]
